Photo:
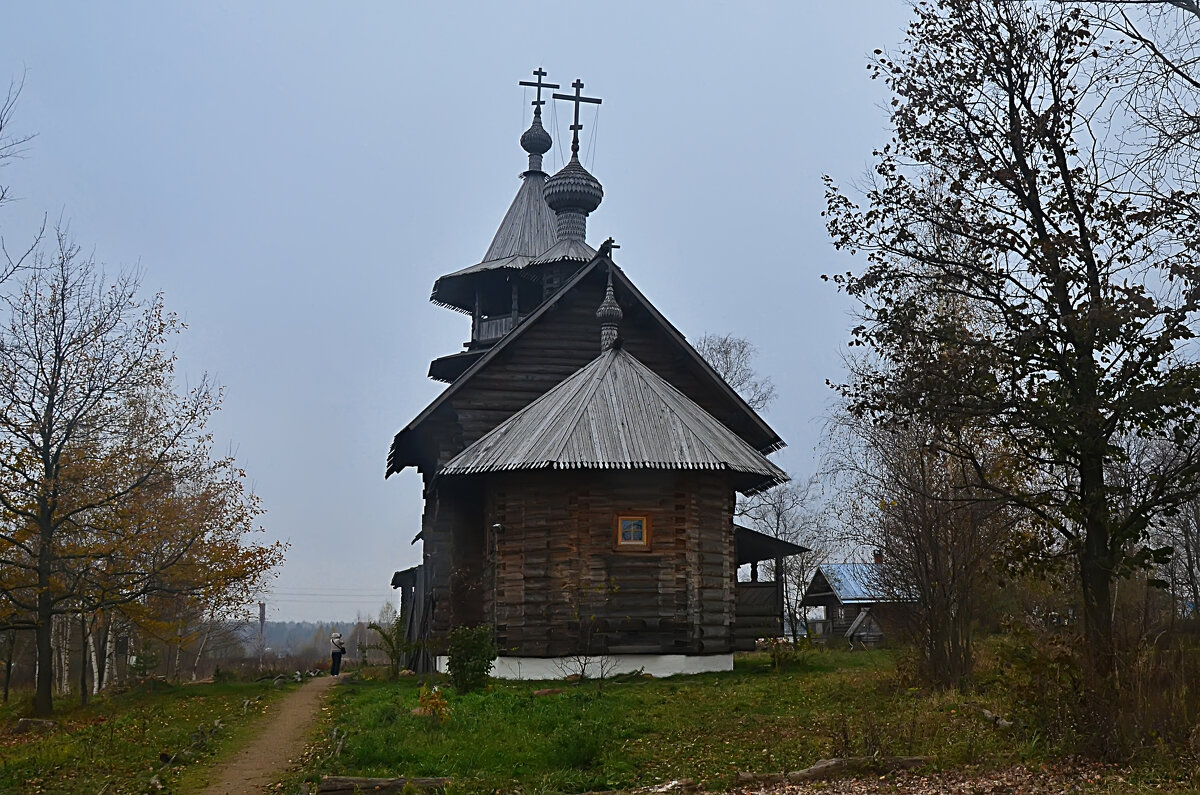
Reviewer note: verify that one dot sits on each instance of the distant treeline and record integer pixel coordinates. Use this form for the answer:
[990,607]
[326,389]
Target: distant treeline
[305,640]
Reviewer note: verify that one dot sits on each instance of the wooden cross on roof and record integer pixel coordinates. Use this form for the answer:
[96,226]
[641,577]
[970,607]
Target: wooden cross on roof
[539,73]
[577,98]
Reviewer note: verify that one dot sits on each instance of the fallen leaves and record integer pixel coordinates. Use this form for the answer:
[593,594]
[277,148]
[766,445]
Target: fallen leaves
[1044,780]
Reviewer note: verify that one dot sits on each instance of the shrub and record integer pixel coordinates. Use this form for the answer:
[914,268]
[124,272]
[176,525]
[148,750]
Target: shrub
[393,641]
[470,653]
[788,654]
[144,665]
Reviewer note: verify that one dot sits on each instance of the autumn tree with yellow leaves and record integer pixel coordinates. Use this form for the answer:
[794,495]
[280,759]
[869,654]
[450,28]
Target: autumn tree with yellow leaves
[109,495]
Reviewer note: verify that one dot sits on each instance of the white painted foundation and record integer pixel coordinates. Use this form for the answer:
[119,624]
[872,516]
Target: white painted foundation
[561,667]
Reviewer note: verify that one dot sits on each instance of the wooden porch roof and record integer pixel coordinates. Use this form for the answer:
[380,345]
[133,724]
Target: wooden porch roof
[751,546]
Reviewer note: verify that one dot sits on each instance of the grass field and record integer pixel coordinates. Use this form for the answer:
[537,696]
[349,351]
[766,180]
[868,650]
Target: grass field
[639,732]
[113,745]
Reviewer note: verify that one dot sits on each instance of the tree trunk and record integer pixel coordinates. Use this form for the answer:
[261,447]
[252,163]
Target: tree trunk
[84,645]
[1096,581]
[8,661]
[98,648]
[1095,569]
[62,653]
[111,669]
[200,651]
[43,694]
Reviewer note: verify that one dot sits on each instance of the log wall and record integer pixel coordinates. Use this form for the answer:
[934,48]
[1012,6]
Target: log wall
[562,588]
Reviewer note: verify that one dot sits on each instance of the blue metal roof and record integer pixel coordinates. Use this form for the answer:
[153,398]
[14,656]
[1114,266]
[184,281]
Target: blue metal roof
[854,582]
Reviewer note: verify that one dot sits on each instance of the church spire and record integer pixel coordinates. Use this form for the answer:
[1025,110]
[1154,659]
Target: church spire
[536,141]
[573,193]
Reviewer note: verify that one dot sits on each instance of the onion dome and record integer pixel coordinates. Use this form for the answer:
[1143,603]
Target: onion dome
[574,189]
[535,140]
[609,314]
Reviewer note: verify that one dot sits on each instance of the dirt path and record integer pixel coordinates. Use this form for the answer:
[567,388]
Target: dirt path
[278,742]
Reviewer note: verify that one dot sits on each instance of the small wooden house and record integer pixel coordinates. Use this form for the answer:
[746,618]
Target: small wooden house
[580,469]
[855,607]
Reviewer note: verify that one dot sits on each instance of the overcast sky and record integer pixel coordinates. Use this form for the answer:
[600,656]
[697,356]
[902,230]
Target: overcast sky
[294,177]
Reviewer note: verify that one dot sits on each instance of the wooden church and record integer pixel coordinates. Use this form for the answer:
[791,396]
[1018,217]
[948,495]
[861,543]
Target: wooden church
[580,468]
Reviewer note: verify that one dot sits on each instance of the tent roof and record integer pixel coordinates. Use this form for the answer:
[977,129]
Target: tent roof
[615,413]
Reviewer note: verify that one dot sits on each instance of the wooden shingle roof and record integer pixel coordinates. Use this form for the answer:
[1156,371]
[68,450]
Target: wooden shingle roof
[616,413]
[528,229]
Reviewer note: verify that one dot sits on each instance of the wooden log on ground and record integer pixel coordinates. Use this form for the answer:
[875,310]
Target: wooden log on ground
[855,765]
[383,786]
[839,767]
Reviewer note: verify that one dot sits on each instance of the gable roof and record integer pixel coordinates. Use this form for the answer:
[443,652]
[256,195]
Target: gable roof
[767,440]
[853,583]
[615,413]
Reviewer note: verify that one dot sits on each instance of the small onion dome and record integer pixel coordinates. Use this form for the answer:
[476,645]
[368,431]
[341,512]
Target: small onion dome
[610,310]
[610,315]
[535,140]
[573,189]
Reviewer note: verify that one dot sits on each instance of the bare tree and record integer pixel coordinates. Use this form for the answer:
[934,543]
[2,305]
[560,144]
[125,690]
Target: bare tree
[12,145]
[733,359]
[1182,573]
[940,537]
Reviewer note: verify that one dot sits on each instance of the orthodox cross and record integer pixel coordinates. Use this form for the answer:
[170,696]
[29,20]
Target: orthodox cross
[539,73]
[577,99]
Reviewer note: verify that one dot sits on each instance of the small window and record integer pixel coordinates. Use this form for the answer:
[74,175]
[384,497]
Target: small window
[633,532]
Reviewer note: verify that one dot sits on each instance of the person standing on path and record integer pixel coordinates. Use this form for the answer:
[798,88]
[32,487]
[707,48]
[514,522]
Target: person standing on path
[339,648]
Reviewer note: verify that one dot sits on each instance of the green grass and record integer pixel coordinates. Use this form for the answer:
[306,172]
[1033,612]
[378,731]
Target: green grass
[647,731]
[113,745]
